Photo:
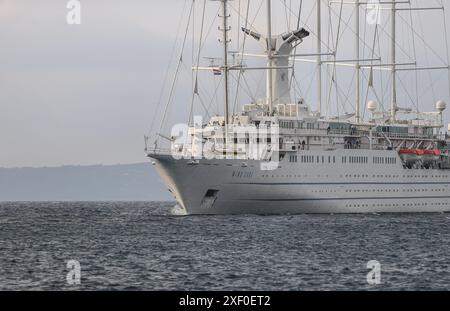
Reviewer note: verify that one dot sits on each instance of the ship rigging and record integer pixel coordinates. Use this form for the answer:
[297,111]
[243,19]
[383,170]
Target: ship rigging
[330,153]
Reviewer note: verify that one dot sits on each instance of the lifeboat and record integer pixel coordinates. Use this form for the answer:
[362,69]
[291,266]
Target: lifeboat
[409,156]
[412,156]
[430,156]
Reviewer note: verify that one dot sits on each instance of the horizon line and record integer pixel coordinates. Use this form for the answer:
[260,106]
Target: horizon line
[71,165]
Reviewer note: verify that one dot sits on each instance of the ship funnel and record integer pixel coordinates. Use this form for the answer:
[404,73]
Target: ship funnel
[295,35]
[279,49]
[255,35]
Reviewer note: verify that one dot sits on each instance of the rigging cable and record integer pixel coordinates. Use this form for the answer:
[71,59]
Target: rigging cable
[372,56]
[426,54]
[242,56]
[166,76]
[295,49]
[416,76]
[177,71]
[334,72]
[446,45]
[195,92]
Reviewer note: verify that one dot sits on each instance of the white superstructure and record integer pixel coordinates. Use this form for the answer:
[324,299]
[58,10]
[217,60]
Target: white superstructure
[277,156]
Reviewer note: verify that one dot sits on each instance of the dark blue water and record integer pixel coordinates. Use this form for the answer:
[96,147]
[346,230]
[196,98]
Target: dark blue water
[142,246]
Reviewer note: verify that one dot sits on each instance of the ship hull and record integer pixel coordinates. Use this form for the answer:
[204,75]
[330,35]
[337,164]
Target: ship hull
[223,187]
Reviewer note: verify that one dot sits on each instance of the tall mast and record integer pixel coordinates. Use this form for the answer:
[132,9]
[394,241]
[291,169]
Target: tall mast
[393,56]
[269,58]
[225,58]
[319,57]
[357,67]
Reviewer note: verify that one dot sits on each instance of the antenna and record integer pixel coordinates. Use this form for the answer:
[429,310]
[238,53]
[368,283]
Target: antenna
[269,58]
[394,67]
[226,68]
[357,66]
[319,57]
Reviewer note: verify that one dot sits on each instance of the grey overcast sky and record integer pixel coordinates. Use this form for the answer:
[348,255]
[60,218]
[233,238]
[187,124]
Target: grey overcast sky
[81,94]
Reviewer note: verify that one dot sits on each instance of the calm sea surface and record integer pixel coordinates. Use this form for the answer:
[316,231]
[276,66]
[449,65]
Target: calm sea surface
[143,246]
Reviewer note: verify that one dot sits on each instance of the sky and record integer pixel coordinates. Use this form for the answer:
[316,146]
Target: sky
[79,94]
[83,94]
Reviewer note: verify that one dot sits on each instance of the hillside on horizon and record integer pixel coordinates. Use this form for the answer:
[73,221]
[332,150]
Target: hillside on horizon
[125,182]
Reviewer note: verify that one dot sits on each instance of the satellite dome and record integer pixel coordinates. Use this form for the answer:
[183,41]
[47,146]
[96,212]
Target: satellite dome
[441,106]
[372,106]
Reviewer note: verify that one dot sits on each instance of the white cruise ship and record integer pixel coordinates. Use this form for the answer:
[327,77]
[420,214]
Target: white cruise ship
[287,154]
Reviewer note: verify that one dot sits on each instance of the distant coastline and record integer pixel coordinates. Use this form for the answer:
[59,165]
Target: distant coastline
[128,182]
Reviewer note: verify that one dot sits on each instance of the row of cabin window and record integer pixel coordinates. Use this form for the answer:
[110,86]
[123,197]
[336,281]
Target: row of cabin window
[299,125]
[245,140]
[311,159]
[354,176]
[384,160]
[351,160]
[396,205]
[365,160]
[241,174]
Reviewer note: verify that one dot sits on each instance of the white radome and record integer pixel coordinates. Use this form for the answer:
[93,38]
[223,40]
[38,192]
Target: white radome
[441,105]
[372,106]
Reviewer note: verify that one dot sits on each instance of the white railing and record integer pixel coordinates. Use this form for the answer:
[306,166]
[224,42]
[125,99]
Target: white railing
[158,151]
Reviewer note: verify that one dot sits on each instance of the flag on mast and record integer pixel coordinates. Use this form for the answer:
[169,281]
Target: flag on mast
[371,78]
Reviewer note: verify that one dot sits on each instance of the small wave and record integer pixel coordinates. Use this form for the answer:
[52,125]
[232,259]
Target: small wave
[177,210]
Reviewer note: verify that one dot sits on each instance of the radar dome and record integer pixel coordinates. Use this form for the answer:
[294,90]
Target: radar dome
[372,106]
[441,106]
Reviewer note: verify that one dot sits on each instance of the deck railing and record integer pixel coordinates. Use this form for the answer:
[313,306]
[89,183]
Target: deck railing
[159,151]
